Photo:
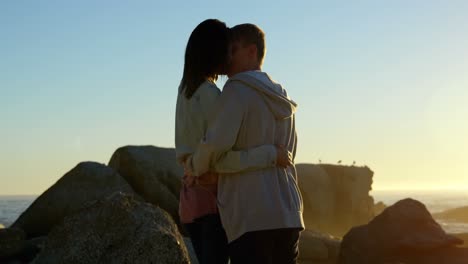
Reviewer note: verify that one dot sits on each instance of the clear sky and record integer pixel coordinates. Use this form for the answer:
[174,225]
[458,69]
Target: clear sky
[382,83]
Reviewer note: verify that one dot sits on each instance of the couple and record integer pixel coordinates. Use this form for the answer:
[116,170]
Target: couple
[240,199]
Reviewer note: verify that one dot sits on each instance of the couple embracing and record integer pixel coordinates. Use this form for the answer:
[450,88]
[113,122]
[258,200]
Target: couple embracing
[240,198]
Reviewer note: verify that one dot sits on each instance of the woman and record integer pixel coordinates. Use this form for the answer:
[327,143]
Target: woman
[206,56]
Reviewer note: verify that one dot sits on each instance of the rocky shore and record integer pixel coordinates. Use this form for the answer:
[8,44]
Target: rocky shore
[127,212]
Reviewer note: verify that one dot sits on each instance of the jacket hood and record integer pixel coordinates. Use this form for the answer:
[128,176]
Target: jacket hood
[272,92]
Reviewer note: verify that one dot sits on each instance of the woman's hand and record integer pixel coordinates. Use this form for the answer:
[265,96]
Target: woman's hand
[187,170]
[208,178]
[283,157]
[189,181]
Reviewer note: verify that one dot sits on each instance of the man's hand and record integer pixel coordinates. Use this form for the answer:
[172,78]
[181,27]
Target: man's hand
[283,157]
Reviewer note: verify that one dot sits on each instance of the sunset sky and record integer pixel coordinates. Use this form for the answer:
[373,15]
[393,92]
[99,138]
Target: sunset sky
[382,83]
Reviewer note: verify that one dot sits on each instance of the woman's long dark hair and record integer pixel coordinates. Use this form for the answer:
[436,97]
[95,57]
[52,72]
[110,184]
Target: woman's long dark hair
[205,55]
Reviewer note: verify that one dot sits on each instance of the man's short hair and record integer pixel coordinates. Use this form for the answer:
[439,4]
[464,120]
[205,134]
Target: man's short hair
[250,34]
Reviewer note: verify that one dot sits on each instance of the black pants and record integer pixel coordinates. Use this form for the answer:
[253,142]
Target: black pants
[209,240]
[266,247]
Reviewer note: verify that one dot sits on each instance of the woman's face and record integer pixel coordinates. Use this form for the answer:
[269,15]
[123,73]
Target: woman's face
[225,67]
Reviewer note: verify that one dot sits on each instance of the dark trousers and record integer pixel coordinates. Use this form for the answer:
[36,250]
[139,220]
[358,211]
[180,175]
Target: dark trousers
[266,247]
[209,240]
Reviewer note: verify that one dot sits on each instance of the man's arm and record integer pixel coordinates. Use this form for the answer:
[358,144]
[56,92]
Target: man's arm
[242,160]
[246,160]
[252,159]
[222,131]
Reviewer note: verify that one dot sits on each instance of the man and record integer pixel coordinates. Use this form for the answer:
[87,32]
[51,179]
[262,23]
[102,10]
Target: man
[261,210]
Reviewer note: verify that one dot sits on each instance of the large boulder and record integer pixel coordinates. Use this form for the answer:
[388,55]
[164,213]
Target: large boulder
[318,195]
[352,201]
[14,248]
[153,173]
[404,232]
[379,207]
[459,214]
[118,229]
[85,183]
[12,242]
[318,248]
[462,236]
[336,197]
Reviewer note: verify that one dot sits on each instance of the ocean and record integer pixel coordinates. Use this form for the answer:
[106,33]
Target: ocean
[436,201]
[11,206]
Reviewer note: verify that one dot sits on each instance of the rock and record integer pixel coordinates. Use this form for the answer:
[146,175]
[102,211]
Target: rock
[411,226]
[32,248]
[153,173]
[85,183]
[318,195]
[315,247]
[37,242]
[117,229]
[12,242]
[19,250]
[449,255]
[336,198]
[352,201]
[457,214]
[379,208]
[462,236]
[13,261]
[357,247]
[404,232]
[312,248]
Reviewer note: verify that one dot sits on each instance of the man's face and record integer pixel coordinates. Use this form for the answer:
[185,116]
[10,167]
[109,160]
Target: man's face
[239,59]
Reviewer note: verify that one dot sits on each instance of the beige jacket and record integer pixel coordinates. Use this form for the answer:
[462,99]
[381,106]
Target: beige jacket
[191,122]
[252,111]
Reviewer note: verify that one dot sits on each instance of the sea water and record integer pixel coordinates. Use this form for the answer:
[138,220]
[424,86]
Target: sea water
[11,206]
[435,200]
